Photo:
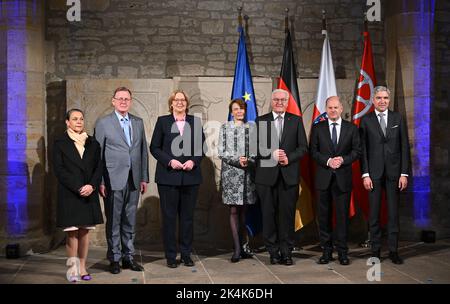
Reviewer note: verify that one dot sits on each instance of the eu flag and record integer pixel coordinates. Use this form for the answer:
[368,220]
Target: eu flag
[243,89]
[242,83]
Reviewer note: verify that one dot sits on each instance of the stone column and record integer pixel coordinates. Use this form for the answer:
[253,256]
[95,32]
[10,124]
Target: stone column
[409,27]
[22,120]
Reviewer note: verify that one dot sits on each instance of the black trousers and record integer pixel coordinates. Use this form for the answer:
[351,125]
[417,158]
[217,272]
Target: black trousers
[392,197]
[177,201]
[278,211]
[342,204]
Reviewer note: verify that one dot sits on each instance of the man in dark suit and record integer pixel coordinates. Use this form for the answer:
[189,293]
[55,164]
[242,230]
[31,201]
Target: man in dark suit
[125,155]
[384,164]
[334,145]
[281,144]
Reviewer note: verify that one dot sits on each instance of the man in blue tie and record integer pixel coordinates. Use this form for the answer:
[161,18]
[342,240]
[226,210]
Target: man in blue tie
[125,156]
[334,145]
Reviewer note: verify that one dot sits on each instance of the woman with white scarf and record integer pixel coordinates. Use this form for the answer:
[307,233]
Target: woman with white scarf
[78,168]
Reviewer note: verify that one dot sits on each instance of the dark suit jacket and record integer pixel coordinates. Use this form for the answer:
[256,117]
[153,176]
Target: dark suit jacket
[191,148]
[384,155]
[321,149]
[72,173]
[293,142]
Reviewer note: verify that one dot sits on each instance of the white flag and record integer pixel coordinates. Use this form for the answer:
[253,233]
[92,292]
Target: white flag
[327,81]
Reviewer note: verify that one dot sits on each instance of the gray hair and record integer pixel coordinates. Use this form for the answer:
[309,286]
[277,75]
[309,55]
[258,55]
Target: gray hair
[381,89]
[280,90]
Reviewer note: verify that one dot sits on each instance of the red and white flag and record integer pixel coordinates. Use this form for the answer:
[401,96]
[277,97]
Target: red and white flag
[361,106]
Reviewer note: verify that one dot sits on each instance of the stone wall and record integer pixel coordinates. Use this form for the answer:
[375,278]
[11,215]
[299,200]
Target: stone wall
[440,147]
[162,39]
[22,134]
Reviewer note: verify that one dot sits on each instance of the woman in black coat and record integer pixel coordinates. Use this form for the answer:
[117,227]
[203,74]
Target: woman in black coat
[77,166]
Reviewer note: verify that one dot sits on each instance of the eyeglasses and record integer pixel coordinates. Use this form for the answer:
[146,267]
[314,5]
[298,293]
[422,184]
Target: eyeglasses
[122,99]
[280,99]
[179,100]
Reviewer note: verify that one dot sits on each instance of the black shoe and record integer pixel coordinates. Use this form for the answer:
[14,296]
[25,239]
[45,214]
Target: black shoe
[246,252]
[114,267]
[235,258]
[245,255]
[187,261]
[343,259]
[132,265]
[325,258]
[395,258]
[172,263]
[288,261]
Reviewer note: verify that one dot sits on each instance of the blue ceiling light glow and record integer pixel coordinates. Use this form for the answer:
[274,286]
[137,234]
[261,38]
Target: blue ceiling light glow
[17,180]
[422,115]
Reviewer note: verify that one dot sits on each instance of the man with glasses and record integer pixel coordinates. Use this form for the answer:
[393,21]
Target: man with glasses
[125,156]
[281,144]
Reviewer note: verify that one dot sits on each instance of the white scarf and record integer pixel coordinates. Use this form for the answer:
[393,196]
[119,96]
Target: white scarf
[79,139]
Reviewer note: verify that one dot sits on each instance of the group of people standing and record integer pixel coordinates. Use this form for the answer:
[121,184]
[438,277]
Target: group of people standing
[260,160]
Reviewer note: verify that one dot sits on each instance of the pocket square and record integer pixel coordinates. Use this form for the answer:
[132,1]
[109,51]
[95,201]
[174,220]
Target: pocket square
[396,126]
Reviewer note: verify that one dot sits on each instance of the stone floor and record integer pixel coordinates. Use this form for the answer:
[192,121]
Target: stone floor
[424,264]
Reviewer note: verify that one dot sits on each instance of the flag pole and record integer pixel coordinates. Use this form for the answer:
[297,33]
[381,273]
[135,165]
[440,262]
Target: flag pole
[366,27]
[286,20]
[324,22]
[240,15]
[366,243]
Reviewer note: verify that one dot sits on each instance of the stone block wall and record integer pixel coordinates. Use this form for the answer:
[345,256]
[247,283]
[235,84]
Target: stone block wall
[162,39]
[440,141]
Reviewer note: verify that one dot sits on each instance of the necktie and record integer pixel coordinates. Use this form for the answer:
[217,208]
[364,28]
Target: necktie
[280,126]
[334,136]
[126,130]
[382,123]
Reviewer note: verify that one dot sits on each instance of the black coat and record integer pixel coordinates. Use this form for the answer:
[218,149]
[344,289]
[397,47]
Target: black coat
[321,148]
[191,144]
[293,142]
[72,173]
[384,156]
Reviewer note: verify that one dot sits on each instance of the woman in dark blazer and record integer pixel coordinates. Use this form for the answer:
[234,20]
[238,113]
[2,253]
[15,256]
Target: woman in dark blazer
[77,166]
[177,145]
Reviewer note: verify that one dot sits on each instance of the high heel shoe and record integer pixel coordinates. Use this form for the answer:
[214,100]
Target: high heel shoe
[86,277]
[235,258]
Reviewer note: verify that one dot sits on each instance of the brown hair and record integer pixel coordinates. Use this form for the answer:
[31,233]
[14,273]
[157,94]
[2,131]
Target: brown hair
[172,97]
[120,89]
[242,104]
